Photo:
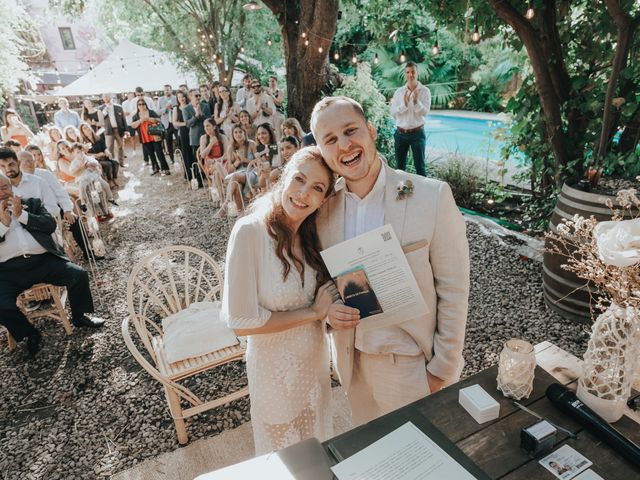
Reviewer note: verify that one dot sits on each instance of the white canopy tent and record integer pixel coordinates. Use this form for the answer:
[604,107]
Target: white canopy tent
[129,66]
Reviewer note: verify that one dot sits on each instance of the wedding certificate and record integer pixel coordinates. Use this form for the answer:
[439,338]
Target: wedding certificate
[404,454]
[372,268]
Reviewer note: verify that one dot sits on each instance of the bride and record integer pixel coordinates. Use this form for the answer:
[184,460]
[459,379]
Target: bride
[275,294]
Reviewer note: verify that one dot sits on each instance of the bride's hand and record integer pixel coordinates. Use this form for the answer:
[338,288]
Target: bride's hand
[327,294]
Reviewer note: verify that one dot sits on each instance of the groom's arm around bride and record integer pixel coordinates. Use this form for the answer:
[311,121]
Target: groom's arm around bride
[387,368]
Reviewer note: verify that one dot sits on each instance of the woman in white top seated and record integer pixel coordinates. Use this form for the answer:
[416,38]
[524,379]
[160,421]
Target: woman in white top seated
[275,293]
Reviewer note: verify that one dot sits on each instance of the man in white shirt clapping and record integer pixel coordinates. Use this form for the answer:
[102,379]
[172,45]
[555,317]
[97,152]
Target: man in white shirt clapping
[409,107]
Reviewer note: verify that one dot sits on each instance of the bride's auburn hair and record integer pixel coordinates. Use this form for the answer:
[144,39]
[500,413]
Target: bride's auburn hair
[279,230]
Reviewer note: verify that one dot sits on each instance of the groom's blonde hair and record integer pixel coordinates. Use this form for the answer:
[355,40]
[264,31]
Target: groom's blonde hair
[327,102]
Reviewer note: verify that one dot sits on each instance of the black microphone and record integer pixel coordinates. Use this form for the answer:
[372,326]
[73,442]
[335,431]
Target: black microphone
[567,401]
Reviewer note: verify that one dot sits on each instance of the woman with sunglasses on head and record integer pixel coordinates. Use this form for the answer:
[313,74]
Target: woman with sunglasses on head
[99,151]
[15,129]
[152,144]
[277,293]
[225,112]
[91,115]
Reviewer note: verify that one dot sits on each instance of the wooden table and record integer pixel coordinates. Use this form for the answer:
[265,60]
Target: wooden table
[494,446]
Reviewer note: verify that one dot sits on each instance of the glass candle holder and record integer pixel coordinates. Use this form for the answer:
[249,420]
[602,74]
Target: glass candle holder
[516,369]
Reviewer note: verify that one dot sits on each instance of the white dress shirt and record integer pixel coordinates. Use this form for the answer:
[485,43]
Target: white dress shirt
[242,95]
[31,186]
[62,197]
[363,215]
[127,107]
[17,240]
[411,115]
[253,104]
[165,109]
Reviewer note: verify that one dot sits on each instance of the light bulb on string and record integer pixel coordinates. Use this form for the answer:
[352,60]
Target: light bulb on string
[203,37]
[403,57]
[306,43]
[219,60]
[304,35]
[376,59]
[354,59]
[336,56]
[211,36]
[269,42]
[530,13]
[242,49]
[435,50]
[320,50]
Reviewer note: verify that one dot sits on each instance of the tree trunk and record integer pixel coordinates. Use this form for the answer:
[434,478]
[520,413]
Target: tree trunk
[549,99]
[624,39]
[307,67]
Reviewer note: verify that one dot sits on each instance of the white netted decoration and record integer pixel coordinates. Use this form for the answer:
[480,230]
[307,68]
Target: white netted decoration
[611,361]
[516,369]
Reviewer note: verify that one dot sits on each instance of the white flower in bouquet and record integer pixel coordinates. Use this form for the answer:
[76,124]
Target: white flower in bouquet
[618,242]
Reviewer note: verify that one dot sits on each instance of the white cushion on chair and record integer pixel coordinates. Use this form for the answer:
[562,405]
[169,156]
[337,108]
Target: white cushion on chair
[196,331]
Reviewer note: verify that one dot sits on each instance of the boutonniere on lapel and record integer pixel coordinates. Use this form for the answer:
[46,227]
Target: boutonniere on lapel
[404,190]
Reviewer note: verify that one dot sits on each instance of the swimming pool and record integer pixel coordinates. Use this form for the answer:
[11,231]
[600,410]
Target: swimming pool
[469,137]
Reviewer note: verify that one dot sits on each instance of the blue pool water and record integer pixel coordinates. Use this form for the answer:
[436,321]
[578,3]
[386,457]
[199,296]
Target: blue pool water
[471,137]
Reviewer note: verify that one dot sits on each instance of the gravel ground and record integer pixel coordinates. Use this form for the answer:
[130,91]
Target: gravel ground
[84,409]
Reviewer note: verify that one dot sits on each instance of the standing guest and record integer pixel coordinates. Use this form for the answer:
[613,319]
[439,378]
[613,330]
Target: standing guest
[211,147]
[384,369]
[183,88]
[266,154]
[215,94]
[101,153]
[31,162]
[115,125]
[275,294]
[409,107]
[291,128]
[25,185]
[182,130]
[71,134]
[247,124]
[244,93]
[194,116]
[288,146]
[152,144]
[165,109]
[260,105]
[65,117]
[28,256]
[225,112]
[15,129]
[55,135]
[278,100]
[206,97]
[129,109]
[91,115]
[139,93]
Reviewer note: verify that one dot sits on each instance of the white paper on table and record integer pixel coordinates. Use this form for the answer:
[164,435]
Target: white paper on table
[404,454]
[388,271]
[588,475]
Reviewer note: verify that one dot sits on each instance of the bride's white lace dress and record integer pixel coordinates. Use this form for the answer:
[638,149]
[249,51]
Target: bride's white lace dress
[289,381]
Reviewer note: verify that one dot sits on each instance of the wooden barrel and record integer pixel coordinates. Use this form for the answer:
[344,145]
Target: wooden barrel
[564,292]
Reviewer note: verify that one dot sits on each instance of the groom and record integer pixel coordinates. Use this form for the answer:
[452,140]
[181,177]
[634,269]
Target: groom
[387,368]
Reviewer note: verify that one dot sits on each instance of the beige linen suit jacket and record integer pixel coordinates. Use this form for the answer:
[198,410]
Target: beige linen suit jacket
[432,233]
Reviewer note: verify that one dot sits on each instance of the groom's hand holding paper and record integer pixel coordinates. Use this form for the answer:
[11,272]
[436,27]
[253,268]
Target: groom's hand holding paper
[385,291]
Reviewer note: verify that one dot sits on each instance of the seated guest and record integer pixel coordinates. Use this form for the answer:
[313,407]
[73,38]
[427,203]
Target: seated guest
[28,256]
[267,154]
[247,124]
[15,129]
[25,185]
[288,146]
[64,157]
[91,116]
[240,184]
[38,157]
[55,135]
[100,152]
[211,147]
[86,173]
[71,134]
[13,145]
[29,164]
[291,128]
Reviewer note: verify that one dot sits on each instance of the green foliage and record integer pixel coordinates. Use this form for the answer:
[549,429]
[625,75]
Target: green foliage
[462,175]
[362,88]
